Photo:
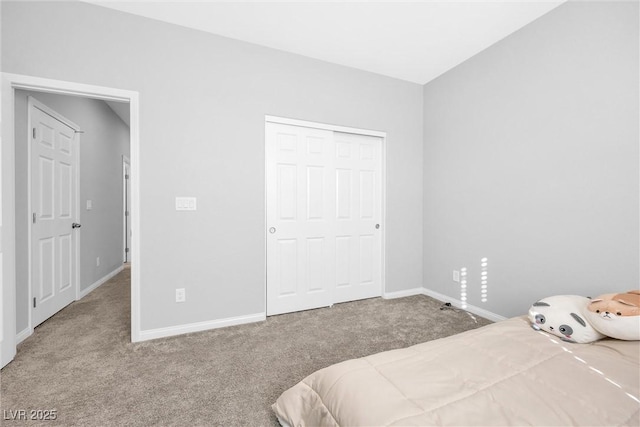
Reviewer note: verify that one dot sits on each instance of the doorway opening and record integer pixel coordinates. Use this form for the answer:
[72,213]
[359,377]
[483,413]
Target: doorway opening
[88,205]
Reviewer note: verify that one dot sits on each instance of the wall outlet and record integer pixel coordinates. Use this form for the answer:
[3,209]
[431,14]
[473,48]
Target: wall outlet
[456,276]
[181,295]
[97,261]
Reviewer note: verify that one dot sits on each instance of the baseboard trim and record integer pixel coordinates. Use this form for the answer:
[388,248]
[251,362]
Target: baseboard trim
[458,304]
[402,294]
[23,335]
[152,334]
[93,287]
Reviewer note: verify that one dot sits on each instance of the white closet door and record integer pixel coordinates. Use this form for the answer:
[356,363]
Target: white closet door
[300,218]
[358,217]
[53,201]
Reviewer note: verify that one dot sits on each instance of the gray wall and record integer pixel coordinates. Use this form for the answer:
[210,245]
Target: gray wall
[104,141]
[203,100]
[531,159]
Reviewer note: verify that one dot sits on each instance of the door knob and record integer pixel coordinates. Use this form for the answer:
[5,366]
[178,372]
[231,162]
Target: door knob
[75,225]
[377,226]
[272,230]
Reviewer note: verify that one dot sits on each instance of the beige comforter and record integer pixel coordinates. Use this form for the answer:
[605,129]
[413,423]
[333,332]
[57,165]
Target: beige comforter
[501,374]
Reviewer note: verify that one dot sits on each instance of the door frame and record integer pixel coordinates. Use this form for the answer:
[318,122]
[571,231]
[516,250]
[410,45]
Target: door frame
[11,83]
[383,170]
[125,221]
[34,103]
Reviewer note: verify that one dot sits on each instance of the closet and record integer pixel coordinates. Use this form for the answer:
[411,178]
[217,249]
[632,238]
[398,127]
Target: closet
[324,198]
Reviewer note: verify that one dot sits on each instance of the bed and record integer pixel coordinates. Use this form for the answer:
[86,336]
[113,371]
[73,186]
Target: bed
[501,374]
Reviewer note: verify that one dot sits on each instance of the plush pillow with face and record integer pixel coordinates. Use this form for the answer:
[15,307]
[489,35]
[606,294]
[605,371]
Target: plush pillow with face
[562,316]
[616,315]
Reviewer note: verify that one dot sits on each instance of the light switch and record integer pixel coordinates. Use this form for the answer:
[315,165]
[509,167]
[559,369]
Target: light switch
[186,204]
[89,205]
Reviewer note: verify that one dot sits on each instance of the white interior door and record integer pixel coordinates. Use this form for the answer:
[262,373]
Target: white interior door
[53,204]
[301,235]
[358,217]
[323,203]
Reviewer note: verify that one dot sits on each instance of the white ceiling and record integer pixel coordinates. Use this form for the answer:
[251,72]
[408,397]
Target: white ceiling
[414,41]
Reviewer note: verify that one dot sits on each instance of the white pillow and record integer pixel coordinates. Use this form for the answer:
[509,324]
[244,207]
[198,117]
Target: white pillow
[563,316]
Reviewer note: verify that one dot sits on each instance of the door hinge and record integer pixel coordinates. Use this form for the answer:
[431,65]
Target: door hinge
[34,302]
[34,133]
[126,177]
[126,250]
[126,213]
[33,218]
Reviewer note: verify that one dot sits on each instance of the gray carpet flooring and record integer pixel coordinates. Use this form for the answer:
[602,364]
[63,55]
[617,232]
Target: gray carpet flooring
[81,362]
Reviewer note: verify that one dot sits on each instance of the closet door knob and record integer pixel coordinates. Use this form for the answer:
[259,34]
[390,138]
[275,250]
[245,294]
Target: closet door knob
[272,230]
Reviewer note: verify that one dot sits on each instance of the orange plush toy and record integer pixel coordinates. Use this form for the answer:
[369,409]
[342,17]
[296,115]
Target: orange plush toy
[616,315]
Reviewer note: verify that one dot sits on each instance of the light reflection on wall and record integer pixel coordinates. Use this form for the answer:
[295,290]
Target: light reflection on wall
[484,279]
[463,287]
